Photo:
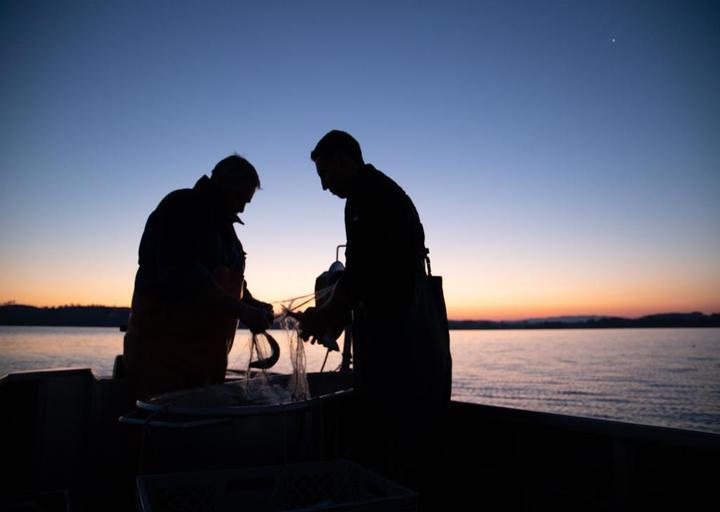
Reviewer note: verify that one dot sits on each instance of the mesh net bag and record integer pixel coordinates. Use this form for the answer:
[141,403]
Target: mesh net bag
[256,385]
[298,385]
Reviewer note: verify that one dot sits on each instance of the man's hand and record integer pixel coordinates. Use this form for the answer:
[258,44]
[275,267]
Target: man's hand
[315,326]
[312,323]
[255,319]
[268,309]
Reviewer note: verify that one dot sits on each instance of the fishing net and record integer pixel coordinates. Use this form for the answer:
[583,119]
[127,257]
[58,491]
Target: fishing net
[256,381]
[298,383]
[257,386]
[232,393]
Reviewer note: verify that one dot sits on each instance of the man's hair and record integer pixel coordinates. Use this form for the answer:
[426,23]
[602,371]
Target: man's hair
[335,143]
[236,167]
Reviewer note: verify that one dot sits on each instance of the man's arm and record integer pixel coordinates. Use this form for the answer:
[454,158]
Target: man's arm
[182,276]
[255,318]
[331,316]
[266,307]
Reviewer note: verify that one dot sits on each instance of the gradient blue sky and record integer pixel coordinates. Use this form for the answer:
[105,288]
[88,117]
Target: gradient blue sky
[564,156]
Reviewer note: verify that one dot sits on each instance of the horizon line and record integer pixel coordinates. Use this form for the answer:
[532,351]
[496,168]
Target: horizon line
[516,319]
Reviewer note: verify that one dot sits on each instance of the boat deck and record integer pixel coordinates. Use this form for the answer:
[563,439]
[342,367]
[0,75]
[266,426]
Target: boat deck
[64,443]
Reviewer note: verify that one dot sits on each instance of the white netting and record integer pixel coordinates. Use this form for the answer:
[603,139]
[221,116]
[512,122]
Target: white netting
[298,384]
[256,385]
[256,382]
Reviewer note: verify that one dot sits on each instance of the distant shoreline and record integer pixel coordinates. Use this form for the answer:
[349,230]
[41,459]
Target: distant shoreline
[629,324]
[63,316]
[107,316]
[661,320]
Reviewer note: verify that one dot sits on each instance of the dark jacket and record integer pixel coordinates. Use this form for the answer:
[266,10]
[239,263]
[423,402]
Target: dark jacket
[175,339]
[385,244]
[384,255]
[185,239]
[400,354]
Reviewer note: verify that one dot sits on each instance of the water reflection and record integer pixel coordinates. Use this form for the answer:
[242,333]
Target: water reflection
[668,377]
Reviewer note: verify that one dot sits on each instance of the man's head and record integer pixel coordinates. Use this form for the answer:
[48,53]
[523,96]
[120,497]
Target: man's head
[338,159]
[237,182]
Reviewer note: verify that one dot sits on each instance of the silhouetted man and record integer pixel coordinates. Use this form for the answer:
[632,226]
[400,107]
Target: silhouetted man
[402,376]
[190,288]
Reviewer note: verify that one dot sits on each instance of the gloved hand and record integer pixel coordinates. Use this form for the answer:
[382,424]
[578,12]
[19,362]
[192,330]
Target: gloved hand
[255,319]
[312,323]
[316,327]
[268,308]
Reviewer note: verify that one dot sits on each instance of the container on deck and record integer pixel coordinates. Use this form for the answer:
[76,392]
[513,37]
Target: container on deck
[195,430]
[337,485]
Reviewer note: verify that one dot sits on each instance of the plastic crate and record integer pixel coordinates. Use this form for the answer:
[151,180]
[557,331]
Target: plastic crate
[338,485]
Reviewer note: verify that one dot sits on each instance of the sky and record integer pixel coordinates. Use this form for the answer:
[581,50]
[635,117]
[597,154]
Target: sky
[564,156]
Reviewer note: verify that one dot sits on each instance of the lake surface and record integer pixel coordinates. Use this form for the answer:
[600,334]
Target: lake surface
[666,377]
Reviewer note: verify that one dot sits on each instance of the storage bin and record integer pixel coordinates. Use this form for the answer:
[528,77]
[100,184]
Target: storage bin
[338,485]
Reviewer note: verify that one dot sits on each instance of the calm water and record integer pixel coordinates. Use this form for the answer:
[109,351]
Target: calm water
[667,377]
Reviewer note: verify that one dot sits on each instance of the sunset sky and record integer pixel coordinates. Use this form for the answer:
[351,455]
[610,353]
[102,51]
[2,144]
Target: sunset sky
[564,155]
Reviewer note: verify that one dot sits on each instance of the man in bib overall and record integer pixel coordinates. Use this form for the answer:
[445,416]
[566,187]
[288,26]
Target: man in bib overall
[190,288]
[401,355]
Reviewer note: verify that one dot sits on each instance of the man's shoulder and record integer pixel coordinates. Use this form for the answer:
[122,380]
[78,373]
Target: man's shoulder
[180,197]
[379,182]
[178,204]
[383,189]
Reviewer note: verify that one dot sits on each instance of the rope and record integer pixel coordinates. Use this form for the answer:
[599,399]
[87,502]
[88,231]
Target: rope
[289,303]
[327,353]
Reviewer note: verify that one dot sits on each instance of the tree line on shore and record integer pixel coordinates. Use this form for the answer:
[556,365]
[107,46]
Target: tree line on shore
[694,319]
[70,315]
[110,316]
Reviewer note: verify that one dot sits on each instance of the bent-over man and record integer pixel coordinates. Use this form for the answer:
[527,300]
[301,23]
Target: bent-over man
[190,287]
[402,372]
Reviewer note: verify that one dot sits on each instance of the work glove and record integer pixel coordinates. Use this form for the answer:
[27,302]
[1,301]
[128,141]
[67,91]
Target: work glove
[268,309]
[312,323]
[315,326]
[256,319]
[264,306]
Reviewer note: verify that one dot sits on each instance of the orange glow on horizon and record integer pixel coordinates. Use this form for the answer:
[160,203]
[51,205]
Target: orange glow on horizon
[498,312]
[501,298]
[521,313]
[540,305]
